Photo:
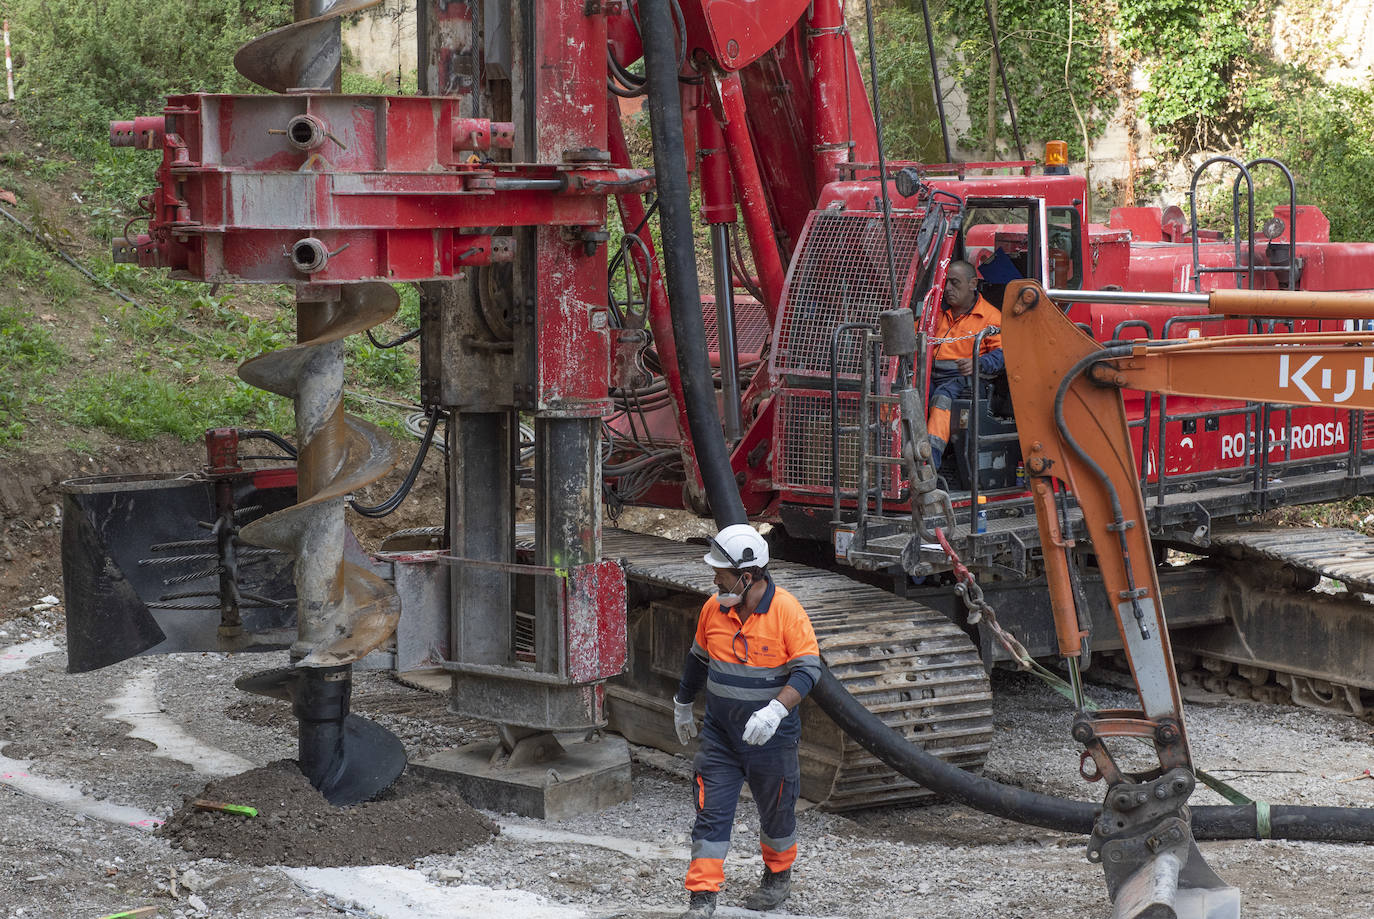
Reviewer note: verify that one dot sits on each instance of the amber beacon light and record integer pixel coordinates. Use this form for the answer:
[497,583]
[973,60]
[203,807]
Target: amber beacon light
[1056,158]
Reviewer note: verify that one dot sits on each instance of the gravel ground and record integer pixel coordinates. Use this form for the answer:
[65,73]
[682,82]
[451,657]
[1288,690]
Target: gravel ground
[91,762]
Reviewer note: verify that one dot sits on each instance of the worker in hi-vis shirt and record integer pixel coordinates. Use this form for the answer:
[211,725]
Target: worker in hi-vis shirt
[756,654]
[963,315]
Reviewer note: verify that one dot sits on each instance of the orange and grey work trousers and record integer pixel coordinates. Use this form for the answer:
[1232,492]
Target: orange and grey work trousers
[944,389]
[774,778]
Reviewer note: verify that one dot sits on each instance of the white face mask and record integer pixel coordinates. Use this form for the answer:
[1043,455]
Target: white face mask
[728,598]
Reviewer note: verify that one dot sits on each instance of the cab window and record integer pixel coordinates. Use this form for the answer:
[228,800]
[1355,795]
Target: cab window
[999,240]
[1066,252]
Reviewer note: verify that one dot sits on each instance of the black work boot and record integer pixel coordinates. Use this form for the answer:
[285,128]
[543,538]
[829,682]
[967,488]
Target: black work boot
[773,889]
[701,906]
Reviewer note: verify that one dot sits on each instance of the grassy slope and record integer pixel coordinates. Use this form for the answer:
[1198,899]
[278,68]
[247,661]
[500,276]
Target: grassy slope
[82,369]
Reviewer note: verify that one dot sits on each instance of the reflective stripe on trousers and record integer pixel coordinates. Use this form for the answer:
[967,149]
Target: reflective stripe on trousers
[943,392]
[774,778]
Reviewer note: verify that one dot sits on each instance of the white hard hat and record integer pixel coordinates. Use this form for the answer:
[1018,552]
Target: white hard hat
[738,546]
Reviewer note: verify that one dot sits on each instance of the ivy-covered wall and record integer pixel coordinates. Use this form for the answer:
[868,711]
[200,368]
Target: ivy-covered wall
[1143,89]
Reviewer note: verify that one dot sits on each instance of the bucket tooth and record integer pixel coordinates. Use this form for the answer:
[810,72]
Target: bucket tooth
[1166,887]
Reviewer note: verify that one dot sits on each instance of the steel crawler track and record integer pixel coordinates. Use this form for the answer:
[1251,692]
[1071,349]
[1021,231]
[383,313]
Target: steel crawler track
[1285,641]
[1339,554]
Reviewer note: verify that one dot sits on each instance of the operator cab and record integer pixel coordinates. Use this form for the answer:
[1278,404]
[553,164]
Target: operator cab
[1005,239]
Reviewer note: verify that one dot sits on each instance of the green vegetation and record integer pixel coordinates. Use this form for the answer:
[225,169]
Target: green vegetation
[85,62]
[1212,82]
[165,365]
[1199,60]
[911,124]
[359,84]
[28,355]
[141,404]
[393,368]
[28,266]
[1061,90]
[1325,134]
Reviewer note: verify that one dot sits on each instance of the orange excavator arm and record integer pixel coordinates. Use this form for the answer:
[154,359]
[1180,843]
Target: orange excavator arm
[1071,419]
[1066,389]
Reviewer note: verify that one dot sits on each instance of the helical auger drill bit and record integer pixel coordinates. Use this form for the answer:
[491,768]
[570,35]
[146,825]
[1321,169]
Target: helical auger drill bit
[344,610]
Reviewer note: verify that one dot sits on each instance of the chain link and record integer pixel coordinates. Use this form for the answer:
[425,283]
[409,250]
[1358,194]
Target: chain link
[979,610]
[989,330]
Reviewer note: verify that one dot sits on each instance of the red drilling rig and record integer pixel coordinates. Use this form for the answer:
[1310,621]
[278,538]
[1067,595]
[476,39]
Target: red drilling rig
[783,398]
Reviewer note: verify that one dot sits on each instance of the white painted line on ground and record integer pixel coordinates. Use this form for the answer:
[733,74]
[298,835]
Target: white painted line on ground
[15,773]
[17,657]
[138,707]
[403,893]
[634,848]
[631,847]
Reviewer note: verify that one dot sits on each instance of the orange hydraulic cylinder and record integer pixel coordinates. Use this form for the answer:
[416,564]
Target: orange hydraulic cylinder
[1310,304]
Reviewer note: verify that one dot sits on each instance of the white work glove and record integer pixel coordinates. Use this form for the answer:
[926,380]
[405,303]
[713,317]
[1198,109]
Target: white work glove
[684,721]
[764,722]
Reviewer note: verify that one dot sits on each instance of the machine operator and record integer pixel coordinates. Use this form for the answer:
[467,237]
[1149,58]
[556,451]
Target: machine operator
[756,654]
[964,313]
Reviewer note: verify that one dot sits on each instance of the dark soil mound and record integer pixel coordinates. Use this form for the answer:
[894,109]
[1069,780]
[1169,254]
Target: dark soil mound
[296,826]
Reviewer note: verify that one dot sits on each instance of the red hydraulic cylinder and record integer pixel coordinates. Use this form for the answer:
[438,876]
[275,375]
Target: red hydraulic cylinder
[729,96]
[632,215]
[718,208]
[717,195]
[827,49]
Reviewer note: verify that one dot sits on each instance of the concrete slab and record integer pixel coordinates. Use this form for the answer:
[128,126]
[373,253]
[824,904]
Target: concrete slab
[589,777]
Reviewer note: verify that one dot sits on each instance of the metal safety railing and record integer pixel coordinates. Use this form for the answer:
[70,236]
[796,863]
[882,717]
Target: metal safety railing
[875,433]
[1269,437]
[1246,266]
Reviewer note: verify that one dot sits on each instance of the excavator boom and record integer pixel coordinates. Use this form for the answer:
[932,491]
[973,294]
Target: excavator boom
[1072,424]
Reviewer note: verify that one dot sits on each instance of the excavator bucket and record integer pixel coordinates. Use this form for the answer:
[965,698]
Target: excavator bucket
[153,564]
[1167,887]
[1143,839]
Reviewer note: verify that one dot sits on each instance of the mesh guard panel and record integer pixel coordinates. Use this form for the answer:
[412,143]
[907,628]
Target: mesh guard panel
[839,275]
[751,326]
[804,461]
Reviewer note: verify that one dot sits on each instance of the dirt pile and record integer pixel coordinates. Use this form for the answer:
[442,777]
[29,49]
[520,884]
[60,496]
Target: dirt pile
[297,827]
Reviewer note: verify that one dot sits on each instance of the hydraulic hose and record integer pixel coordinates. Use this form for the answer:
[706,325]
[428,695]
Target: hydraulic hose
[1328,824]
[679,263]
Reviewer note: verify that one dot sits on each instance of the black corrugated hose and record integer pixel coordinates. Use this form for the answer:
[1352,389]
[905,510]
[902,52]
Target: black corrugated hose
[1209,822]
[1331,824]
[659,34]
